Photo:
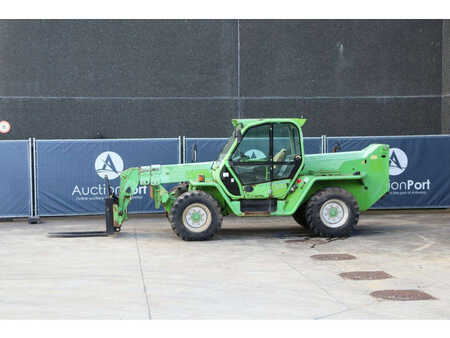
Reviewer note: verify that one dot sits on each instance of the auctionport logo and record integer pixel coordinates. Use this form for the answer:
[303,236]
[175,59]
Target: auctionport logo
[109,164]
[398,161]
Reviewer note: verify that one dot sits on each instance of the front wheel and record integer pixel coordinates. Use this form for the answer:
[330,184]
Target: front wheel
[195,216]
[332,212]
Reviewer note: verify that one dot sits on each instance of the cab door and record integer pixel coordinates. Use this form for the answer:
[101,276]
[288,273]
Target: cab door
[287,157]
[265,162]
[251,162]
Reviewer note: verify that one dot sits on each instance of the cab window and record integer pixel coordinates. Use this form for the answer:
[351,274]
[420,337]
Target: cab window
[286,145]
[255,146]
[251,159]
[267,152]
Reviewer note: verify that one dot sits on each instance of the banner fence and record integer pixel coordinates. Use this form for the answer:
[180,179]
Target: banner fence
[15,179]
[70,173]
[66,177]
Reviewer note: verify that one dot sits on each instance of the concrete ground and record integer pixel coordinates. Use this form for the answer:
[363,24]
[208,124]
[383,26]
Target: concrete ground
[255,268]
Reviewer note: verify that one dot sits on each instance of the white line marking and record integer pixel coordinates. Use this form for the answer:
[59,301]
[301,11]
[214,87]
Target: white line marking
[427,244]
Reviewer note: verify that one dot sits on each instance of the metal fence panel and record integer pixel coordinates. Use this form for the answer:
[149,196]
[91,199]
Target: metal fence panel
[15,179]
[70,173]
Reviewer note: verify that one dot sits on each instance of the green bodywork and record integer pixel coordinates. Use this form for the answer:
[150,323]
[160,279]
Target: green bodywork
[364,173]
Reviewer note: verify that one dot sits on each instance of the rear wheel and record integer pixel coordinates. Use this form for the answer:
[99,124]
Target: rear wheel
[332,212]
[300,216]
[195,216]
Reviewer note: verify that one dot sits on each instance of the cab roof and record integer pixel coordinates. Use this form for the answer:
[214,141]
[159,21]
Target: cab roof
[253,122]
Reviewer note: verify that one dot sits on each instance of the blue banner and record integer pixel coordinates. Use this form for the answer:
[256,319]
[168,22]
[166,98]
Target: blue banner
[312,145]
[15,188]
[70,173]
[208,149]
[419,168]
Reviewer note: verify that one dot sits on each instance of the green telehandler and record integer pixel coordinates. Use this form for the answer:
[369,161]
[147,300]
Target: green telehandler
[261,171]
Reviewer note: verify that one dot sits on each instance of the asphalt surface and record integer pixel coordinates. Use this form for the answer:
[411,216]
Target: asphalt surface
[255,268]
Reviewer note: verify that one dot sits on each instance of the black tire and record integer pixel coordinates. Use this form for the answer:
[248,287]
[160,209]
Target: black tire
[194,201]
[300,216]
[179,189]
[339,199]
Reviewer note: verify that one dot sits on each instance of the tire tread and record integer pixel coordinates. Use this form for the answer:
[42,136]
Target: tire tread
[177,210]
[313,219]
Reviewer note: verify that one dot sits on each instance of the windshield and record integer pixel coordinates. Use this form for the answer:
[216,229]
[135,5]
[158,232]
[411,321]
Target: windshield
[227,146]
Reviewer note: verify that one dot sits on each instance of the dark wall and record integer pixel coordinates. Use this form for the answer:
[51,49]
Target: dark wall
[164,78]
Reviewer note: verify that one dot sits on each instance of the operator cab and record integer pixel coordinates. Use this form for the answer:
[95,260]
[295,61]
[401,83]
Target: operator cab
[261,166]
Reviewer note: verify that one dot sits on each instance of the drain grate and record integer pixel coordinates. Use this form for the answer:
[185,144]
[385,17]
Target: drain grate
[365,275]
[333,257]
[402,295]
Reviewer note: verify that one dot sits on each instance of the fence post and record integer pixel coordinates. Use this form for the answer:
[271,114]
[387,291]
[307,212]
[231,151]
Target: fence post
[324,144]
[34,217]
[30,173]
[184,150]
[180,149]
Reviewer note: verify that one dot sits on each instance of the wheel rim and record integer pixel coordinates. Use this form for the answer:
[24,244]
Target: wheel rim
[197,217]
[334,213]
